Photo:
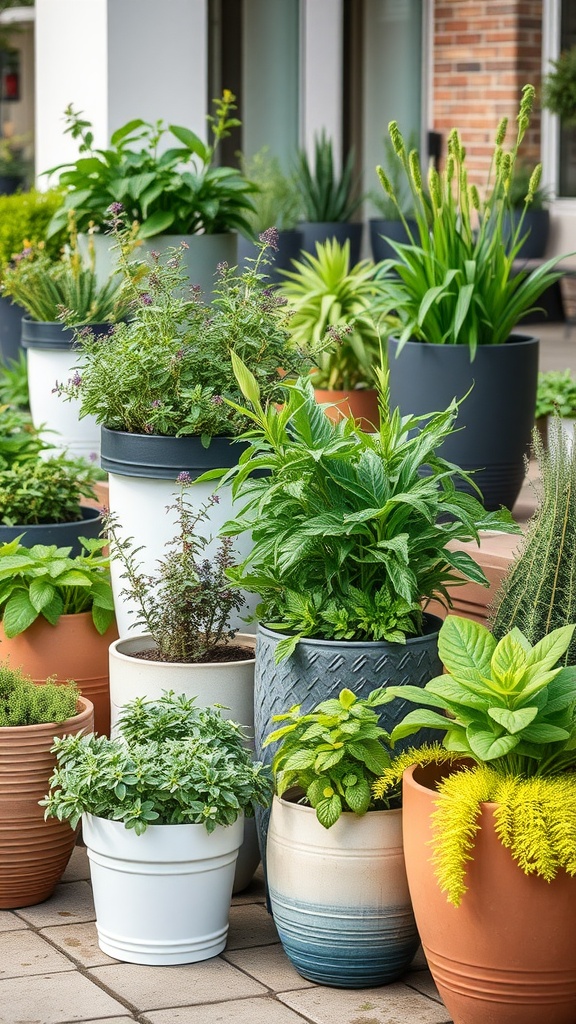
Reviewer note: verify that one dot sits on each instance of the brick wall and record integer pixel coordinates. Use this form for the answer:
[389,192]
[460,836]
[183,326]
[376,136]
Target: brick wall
[484,52]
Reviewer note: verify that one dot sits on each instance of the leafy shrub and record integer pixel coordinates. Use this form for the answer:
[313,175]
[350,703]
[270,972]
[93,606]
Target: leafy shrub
[42,491]
[23,702]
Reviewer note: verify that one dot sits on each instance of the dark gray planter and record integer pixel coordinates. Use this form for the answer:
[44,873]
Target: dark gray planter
[496,418]
[319,669]
[313,232]
[64,535]
[381,230]
[10,329]
[289,248]
[162,458]
[536,226]
[53,335]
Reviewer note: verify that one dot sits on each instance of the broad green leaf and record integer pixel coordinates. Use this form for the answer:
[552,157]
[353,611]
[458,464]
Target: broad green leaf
[466,649]
[541,732]
[419,719]
[548,651]
[286,647]
[247,381]
[156,224]
[487,746]
[513,721]
[19,614]
[328,811]
[299,760]
[102,617]
[40,593]
[508,662]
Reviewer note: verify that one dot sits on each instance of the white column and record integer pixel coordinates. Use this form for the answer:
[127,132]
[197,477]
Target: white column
[116,60]
[322,71]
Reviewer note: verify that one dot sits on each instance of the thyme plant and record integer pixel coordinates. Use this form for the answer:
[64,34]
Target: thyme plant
[186,606]
[23,702]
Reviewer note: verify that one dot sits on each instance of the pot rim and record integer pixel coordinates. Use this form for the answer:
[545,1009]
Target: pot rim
[117,653]
[447,769]
[433,620]
[347,815]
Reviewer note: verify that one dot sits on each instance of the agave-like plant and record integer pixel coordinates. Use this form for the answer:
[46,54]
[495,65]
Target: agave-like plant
[325,196]
[335,307]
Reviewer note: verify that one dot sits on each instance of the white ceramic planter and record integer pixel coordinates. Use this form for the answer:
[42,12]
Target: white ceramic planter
[163,897]
[230,684]
[64,428]
[566,425]
[339,896]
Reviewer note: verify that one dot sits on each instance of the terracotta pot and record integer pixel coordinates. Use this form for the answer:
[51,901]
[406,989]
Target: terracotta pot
[33,852]
[73,649]
[504,956]
[363,405]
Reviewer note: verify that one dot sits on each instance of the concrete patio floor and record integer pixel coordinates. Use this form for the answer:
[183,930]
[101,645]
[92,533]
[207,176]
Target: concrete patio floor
[52,971]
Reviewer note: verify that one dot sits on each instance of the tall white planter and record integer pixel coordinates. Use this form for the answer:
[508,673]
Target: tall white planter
[163,897]
[52,356]
[339,896]
[143,470]
[228,683]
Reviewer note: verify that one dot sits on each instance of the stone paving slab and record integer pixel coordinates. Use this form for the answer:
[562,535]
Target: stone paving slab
[55,999]
[390,1004]
[240,1011]
[9,922]
[250,925]
[70,902]
[78,867]
[157,988]
[79,941]
[24,953]
[422,982]
[269,965]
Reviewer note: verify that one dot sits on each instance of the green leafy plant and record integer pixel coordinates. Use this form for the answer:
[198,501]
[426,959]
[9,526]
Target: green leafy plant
[509,708]
[44,581]
[454,282]
[186,606]
[556,394]
[168,369]
[20,441]
[325,195]
[14,384]
[537,593]
[42,491]
[336,306]
[66,289]
[23,702]
[349,539]
[179,189]
[14,161]
[559,87]
[276,201]
[172,764]
[385,207]
[24,219]
[333,754]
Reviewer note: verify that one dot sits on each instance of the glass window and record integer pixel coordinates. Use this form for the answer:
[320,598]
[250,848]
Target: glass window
[567,173]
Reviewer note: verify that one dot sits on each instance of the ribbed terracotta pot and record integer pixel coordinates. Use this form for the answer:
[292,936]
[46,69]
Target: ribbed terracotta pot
[505,955]
[339,896]
[72,649]
[33,852]
[361,404]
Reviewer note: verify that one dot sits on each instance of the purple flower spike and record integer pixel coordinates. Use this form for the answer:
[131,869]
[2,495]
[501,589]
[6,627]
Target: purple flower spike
[146,299]
[116,208]
[270,237]
[184,478]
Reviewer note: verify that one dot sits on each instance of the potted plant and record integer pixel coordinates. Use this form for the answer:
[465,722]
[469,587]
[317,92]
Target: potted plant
[24,218]
[336,305]
[181,638]
[57,617]
[162,853]
[329,200]
[559,87]
[489,840]
[14,166]
[33,853]
[59,298]
[40,498]
[458,300]
[276,204]
[556,399]
[158,388]
[336,878]
[14,383]
[389,224]
[175,194]
[349,540]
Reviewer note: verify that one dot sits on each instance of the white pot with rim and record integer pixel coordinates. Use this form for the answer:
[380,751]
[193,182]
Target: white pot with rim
[227,683]
[163,897]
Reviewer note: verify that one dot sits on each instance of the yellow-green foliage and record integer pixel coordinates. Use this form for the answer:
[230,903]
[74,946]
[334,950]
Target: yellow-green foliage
[427,754]
[535,819]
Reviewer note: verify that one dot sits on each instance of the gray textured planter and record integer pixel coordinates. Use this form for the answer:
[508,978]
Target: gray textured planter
[64,535]
[381,230]
[319,669]
[496,418]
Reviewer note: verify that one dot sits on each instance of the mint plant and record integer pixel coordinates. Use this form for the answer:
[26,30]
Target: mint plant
[334,754]
[173,764]
[44,581]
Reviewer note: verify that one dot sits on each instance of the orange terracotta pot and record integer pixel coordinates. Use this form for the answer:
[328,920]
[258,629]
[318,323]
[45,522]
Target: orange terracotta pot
[362,405]
[72,649]
[505,955]
[33,852]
